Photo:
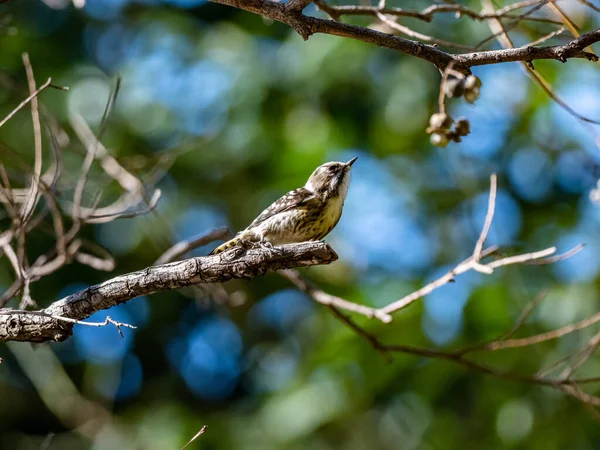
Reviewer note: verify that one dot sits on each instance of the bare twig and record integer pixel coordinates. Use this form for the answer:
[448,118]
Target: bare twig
[415,34]
[110,165]
[24,102]
[107,321]
[91,148]
[488,218]
[12,257]
[427,289]
[196,436]
[473,262]
[590,4]
[509,26]
[581,357]
[428,13]
[557,258]
[545,38]
[570,386]
[32,198]
[538,338]
[331,300]
[500,32]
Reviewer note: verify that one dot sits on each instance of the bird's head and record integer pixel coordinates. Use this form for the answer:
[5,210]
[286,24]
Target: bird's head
[331,179]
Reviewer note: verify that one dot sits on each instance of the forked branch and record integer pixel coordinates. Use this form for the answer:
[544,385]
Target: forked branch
[291,14]
[474,262]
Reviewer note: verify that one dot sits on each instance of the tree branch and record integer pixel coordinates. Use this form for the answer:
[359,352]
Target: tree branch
[426,15]
[297,5]
[24,326]
[307,26]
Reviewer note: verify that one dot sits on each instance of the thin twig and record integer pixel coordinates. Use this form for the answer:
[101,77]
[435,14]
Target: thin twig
[427,14]
[196,436]
[331,300]
[500,32]
[545,38]
[489,217]
[471,263]
[554,259]
[581,357]
[107,321]
[509,26]
[33,196]
[24,102]
[590,4]
[415,34]
[542,337]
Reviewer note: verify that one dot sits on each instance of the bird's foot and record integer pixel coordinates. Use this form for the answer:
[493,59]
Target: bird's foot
[241,247]
[269,246]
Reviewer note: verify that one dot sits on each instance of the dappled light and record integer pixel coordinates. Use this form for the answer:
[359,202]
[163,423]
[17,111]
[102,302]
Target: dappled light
[455,304]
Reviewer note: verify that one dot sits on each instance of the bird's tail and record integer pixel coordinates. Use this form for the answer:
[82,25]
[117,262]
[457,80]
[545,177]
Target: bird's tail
[243,236]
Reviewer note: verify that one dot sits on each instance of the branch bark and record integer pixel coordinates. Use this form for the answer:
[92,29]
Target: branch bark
[307,26]
[55,322]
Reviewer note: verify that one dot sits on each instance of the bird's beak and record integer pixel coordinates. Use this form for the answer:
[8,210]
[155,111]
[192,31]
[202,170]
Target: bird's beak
[349,163]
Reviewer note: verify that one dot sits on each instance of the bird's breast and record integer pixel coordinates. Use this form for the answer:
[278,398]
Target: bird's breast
[333,210]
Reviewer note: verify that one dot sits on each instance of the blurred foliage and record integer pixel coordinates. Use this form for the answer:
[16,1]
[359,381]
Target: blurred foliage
[250,110]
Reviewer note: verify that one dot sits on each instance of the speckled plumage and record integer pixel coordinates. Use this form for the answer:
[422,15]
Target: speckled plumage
[308,213]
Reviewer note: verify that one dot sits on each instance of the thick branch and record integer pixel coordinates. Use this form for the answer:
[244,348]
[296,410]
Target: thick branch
[307,26]
[23,326]
[297,5]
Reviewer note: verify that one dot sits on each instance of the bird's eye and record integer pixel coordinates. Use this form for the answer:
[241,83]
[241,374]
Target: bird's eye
[331,169]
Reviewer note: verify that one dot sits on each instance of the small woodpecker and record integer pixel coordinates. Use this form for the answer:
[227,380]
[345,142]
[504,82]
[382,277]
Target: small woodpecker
[305,214]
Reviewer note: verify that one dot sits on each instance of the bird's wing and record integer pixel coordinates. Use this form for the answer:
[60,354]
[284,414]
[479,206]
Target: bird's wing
[292,199]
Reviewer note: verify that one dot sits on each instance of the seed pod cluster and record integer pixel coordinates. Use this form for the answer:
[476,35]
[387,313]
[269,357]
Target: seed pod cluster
[472,88]
[454,86]
[468,87]
[443,129]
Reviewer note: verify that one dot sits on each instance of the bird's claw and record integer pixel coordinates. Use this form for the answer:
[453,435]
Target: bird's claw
[269,246]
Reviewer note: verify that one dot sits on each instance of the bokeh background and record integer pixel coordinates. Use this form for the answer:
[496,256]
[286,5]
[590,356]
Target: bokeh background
[250,109]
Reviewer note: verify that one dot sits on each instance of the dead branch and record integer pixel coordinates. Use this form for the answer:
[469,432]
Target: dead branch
[307,26]
[427,14]
[390,22]
[590,5]
[501,35]
[27,100]
[32,198]
[474,261]
[196,436]
[128,205]
[564,383]
[324,298]
[23,326]
[68,245]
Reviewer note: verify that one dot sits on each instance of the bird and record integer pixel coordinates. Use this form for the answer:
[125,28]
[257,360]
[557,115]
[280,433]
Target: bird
[305,214]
